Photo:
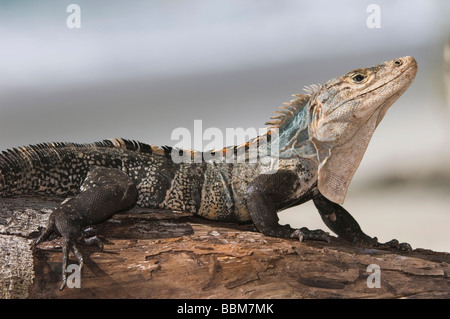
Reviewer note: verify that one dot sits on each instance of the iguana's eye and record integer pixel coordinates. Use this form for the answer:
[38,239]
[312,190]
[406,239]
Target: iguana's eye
[358,78]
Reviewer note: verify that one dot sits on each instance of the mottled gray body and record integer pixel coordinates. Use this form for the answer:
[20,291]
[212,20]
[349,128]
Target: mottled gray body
[215,191]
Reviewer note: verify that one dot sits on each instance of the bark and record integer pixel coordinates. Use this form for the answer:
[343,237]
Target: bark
[155,254]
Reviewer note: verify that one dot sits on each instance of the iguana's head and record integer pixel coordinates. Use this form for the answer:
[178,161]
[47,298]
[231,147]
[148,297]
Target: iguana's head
[342,105]
[344,113]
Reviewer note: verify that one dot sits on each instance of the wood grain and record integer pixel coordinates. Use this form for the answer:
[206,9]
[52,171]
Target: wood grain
[160,254]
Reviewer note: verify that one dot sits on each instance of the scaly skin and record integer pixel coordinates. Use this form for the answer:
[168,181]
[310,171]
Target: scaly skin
[322,137]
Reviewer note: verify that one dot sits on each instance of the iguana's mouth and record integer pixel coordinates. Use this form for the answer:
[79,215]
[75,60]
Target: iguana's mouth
[389,101]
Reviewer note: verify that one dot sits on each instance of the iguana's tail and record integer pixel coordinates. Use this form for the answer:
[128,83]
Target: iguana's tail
[59,168]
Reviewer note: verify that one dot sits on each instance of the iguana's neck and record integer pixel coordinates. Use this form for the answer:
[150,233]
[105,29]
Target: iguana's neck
[292,125]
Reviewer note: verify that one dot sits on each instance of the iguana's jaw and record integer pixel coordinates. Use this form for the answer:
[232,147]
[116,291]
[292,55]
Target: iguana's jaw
[398,83]
[404,80]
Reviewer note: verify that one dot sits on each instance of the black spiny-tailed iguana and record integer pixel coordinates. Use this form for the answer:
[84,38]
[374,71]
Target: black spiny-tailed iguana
[322,137]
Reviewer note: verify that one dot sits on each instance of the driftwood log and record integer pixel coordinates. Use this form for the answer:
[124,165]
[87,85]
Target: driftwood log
[151,254]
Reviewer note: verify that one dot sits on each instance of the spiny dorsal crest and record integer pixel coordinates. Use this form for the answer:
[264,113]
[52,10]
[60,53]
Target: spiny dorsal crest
[312,89]
[288,110]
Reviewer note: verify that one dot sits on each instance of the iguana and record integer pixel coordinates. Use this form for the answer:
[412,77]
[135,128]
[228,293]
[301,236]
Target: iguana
[322,137]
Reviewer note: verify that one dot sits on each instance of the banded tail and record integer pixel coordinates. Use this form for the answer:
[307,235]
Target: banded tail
[60,168]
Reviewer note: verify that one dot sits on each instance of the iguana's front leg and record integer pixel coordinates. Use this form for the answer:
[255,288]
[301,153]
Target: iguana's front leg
[105,192]
[268,191]
[345,226]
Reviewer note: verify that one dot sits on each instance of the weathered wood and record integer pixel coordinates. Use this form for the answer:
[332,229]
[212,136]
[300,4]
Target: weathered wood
[174,255]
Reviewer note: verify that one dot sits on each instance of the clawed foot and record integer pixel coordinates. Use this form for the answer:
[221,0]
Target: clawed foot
[373,242]
[68,246]
[319,235]
[306,234]
[394,243]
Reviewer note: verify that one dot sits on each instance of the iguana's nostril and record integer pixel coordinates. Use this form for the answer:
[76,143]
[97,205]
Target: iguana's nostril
[398,62]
